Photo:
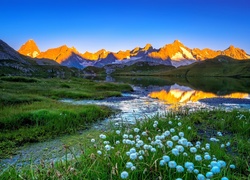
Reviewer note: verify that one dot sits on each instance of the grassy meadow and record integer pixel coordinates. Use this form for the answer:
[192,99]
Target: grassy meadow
[180,146]
[30,110]
[220,66]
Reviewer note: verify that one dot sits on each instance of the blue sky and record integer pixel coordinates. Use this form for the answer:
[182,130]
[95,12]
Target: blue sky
[124,24]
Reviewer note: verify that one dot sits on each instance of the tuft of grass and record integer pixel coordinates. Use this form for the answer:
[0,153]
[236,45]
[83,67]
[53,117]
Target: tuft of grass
[8,99]
[145,145]
[17,90]
[19,79]
[64,85]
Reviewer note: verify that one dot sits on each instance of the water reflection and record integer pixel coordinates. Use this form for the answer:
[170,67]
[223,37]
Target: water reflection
[181,95]
[214,91]
[215,85]
[151,100]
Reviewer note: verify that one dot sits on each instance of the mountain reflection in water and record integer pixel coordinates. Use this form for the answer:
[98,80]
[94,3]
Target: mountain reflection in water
[180,94]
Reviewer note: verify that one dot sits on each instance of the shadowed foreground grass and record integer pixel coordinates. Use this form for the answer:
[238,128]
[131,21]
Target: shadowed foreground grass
[203,144]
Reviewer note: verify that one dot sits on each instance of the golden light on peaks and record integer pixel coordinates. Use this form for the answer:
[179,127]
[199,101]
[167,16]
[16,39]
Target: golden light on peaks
[101,54]
[147,47]
[168,51]
[59,54]
[29,49]
[122,54]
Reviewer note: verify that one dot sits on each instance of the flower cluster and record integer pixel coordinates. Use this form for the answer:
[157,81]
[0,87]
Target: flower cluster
[169,147]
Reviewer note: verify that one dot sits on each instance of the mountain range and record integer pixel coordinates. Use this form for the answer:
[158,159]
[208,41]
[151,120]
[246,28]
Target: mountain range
[171,60]
[175,54]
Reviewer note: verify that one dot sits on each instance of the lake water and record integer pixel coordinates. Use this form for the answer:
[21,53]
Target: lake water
[157,95]
[151,96]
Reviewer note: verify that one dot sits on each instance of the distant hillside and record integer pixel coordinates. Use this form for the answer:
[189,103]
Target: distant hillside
[218,66]
[140,68]
[7,52]
[92,70]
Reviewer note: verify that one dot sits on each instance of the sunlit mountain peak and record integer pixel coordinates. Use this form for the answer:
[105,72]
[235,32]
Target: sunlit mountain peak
[29,49]
[147,47]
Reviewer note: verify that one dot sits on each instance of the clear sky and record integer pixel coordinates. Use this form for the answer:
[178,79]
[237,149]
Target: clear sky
[124,24]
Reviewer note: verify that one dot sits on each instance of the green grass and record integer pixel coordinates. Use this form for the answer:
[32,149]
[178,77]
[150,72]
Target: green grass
[56,88]
[234,127]
[11,99]
[40,121]
[30,110]
[19,79]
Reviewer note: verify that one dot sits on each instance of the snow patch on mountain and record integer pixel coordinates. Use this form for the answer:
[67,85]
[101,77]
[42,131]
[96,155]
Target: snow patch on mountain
[79,58]
[187,53]
[183,62]
[177,56]
[134,58]
[126,60]
[35,54]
